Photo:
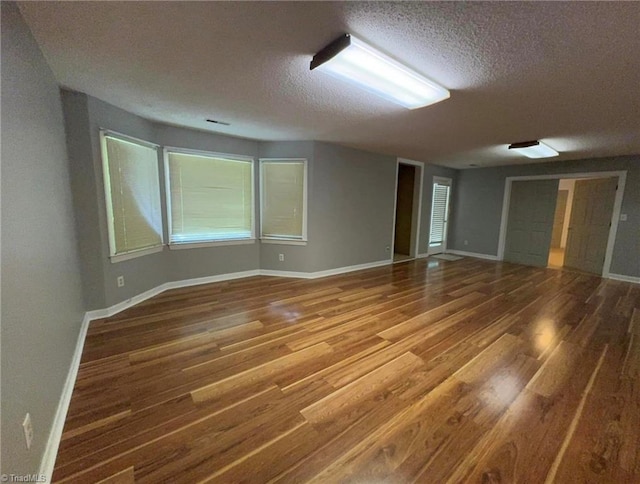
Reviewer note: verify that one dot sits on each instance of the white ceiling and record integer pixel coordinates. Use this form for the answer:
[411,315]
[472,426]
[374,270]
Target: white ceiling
[567,73]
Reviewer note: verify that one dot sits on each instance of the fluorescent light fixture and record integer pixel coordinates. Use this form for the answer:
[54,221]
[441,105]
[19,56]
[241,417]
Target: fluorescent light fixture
[534,149]
[350,59]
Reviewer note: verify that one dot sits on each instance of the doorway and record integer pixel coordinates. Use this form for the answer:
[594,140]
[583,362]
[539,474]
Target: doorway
[584,210]
[579,237]
[561,223]
[440,196]
[406,227]
[589,224]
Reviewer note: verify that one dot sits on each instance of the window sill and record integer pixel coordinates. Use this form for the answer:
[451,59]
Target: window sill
[283,241]
[135,254]
[213,243]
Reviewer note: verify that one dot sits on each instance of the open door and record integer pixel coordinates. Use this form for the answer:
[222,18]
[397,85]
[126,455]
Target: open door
[404,229]
[439,215]
[530,222]
[589,224]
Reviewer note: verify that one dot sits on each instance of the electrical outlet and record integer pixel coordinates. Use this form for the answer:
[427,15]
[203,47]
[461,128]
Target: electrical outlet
[387,248]
[120,281]
[466,242]
[28,430]
[623,217]
[281,257]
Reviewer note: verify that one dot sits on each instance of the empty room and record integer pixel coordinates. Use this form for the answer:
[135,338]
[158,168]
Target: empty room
[320,242]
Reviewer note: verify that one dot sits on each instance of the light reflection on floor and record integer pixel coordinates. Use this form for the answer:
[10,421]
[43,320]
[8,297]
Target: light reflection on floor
[544,331]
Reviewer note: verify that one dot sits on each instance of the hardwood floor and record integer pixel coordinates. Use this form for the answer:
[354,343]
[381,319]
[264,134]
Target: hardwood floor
[427,371]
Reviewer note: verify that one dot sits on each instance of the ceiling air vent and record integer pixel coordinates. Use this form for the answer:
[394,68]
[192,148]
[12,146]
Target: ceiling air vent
[215,121]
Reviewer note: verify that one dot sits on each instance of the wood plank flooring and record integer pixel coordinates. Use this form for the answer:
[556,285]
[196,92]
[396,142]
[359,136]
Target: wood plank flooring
[427,371]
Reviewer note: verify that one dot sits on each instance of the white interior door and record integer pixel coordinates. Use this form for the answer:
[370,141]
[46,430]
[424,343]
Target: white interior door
[589,224]
[439,215]
[530,223]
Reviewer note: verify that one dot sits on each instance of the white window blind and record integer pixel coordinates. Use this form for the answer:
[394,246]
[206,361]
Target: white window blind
[211,197]
[283,199]
[439,209]
[133,194]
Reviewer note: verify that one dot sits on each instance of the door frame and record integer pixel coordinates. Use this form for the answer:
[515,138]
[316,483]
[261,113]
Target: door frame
[615,216]
[446,181]
[417,217]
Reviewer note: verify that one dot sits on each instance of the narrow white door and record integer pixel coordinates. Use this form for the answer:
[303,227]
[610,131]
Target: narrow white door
[530,223]
[439,215]
[589,224]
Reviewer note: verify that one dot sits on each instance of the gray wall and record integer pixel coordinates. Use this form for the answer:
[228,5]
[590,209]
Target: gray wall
[41,292]
[478,206]
[351,207]
[83,187]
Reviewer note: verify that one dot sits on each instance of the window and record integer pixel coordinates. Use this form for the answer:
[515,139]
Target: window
[284,199]
[439,212]
[132,192]
[210,197]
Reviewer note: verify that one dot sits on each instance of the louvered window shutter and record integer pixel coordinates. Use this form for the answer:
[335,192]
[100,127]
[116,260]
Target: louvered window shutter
[439,213]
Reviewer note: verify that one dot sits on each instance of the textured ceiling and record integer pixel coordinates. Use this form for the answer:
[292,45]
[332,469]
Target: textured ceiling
[567,73]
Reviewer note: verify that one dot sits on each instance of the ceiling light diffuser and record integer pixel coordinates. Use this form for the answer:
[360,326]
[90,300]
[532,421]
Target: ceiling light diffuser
[350,59]
[534,149]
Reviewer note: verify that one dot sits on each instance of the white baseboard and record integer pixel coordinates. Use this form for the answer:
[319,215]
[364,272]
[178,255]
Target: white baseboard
[292,274]
[326,273]
[210,279]
[121,306]
[621,277]
[55,435]
[472,254]
[344,270]
[422,256]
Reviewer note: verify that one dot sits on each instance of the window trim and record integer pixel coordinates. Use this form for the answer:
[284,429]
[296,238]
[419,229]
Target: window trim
[167,182]
[106,185]
[136,253]
[286,240]
[217,243]
[283,241]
